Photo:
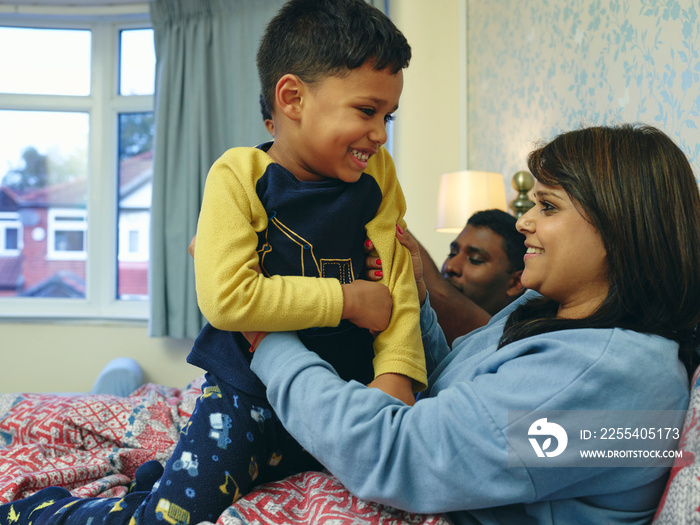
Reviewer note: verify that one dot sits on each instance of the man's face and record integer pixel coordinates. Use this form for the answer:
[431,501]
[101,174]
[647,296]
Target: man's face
[479,268]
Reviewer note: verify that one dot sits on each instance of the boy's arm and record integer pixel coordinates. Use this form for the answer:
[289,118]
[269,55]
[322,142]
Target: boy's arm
[398,349]
[232,295]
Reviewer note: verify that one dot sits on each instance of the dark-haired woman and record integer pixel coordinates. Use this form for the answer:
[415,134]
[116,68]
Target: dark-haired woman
[613,250]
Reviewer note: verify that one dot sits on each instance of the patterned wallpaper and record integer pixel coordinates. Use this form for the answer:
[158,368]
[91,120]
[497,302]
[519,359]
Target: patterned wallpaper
[540,67]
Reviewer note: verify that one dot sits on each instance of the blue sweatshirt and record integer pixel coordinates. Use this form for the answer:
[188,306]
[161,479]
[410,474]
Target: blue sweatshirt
[449,453]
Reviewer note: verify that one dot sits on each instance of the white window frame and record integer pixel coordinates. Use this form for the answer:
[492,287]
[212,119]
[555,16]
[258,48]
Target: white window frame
[64,220]
[8,221]
[103,106]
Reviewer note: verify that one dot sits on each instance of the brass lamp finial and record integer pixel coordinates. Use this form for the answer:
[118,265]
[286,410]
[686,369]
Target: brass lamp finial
[522,182]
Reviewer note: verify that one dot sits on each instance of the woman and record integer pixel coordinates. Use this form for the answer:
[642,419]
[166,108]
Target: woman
[613,250]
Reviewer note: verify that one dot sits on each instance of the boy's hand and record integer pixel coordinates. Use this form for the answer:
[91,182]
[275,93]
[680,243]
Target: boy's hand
[367,304]
[396,385]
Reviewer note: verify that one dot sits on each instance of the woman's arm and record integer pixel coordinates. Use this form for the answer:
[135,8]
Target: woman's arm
[383,450]
[451,451]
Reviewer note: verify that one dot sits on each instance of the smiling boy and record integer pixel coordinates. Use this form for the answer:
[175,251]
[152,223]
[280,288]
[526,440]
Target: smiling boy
[302,205]
[282,226]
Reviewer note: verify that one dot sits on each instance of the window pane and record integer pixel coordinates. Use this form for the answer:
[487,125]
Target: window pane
[67,241]
[61,55]
[11,239]
[10,231]
[135,185]
[43,182]
[137,62]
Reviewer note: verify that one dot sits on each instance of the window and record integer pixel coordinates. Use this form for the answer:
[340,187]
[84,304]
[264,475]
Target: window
[10,235]
[67,234]
[76,136]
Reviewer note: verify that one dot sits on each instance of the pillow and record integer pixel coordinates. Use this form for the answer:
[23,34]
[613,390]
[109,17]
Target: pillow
[680,502]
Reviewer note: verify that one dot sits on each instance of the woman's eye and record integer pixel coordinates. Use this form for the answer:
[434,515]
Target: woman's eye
[546,206]
[476,262]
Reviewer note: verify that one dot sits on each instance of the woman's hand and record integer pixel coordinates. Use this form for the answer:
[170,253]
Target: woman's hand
[374,264]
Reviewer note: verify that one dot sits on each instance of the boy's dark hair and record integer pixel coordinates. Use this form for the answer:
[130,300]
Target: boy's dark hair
[264,110]
[317,38]
[503,224]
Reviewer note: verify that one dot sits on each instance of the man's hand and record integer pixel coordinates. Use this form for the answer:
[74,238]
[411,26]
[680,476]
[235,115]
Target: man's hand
[254,338]
[190,248]
[367,304]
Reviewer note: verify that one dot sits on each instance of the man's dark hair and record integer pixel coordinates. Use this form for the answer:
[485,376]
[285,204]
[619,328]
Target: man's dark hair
[317,38]
[503,224]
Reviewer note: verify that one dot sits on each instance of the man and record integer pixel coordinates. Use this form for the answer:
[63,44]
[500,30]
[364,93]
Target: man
[480,276]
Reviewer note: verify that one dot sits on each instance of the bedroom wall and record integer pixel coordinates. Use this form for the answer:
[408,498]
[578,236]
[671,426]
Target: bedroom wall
[430,128]
[67,356]
[538,68]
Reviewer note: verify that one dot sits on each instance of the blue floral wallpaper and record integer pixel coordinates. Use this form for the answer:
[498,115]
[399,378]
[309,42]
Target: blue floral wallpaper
[539,67]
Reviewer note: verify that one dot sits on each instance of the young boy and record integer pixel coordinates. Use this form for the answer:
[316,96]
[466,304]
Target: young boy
[303,205]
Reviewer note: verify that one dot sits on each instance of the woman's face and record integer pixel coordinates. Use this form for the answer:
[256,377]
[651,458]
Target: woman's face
[565,260]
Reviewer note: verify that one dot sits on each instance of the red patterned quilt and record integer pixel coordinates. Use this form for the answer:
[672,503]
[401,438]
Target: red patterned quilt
[93,444]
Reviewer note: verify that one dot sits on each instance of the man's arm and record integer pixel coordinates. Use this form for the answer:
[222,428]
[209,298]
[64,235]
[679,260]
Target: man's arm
[456,313]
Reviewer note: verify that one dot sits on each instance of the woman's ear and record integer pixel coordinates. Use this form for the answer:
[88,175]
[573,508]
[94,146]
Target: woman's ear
[288,96]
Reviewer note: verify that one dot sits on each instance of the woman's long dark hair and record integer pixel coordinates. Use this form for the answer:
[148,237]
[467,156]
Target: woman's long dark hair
[638,189]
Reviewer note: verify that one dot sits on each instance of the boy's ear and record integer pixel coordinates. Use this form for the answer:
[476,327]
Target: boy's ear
[289,93]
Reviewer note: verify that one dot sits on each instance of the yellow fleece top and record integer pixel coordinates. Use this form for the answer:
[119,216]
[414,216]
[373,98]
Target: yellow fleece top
[234,296]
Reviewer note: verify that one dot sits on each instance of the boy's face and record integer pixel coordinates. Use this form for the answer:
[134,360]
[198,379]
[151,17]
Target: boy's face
[342,123]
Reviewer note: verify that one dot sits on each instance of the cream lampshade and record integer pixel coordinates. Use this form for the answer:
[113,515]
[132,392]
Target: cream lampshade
[462,193]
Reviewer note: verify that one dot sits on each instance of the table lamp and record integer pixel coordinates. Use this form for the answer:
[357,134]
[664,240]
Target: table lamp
[462,193]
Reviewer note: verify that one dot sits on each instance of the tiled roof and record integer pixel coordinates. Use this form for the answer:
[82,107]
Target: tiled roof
[61,284]
[134,172]
[10,272]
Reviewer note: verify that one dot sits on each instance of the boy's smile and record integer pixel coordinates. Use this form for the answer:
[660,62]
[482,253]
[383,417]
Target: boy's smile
[337,124]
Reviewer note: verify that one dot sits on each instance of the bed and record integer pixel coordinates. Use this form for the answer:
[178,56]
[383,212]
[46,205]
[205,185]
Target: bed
[93,444]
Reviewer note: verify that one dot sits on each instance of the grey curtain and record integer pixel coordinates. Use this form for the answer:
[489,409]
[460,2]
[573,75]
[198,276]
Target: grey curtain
[206,102]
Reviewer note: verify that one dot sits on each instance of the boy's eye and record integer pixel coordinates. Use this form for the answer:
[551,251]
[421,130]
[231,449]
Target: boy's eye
[368,111]
[389,118]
